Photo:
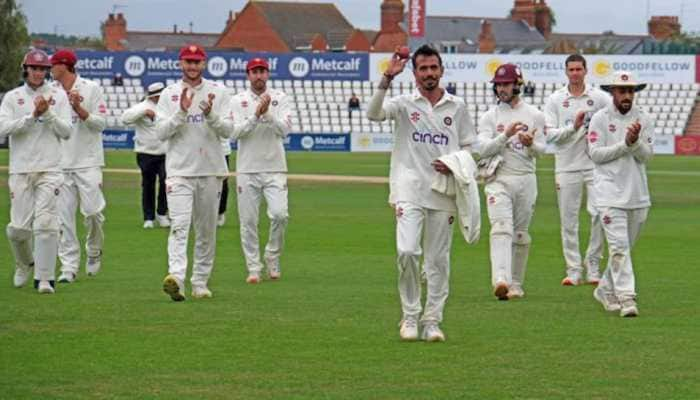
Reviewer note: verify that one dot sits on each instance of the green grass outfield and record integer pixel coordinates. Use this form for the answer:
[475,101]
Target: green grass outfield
[328,329]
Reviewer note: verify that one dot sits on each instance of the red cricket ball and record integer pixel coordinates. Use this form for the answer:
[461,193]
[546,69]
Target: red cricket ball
[403,52]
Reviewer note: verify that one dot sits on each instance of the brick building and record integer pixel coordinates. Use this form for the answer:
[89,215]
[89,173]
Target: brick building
[278,26]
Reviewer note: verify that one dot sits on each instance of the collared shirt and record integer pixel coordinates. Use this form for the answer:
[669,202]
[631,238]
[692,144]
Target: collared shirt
[260,140]
[517,158]
[560,114]
[423,133]
[35,143]
[619,177]
[194,146]
[84,147]
[145,140]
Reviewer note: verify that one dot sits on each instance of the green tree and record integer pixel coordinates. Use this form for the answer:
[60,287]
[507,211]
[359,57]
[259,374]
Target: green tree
[14,40]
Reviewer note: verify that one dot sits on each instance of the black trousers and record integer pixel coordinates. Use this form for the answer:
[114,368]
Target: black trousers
[151,167]
[224,193]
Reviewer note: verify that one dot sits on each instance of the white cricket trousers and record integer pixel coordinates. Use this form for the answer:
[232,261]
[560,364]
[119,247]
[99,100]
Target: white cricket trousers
[82,186]
[569,193]
[415,224]
[510,201]
[33,215]
[192,200]
[622,229]
[252,187]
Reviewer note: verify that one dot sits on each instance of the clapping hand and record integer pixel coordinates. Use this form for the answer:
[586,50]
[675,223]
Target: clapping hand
[206,106]
[185,100]
[41,105]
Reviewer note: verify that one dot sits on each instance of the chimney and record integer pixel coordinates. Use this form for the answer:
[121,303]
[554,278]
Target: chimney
[318,43]
[392,16]
[114,33]
[174,28]
[390,35]
[524,10]
[543,18]
[487,42]
[662,27]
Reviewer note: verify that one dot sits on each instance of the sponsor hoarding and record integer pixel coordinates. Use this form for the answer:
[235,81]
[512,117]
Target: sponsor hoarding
[551,68]
[159,66]
[688,145]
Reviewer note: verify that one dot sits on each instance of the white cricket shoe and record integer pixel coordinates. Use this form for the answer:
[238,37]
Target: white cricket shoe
[433,333]
[148,224]
[628,308]
[592,275]
[607,299]
[253,278]
[173,287]
[273,269]
[408,329]
[22,274]
[93,264]
[201,292]
[515,292]
[45,288]
[66,277]
[163,221]
[221,220]
[501,290]
[571,280]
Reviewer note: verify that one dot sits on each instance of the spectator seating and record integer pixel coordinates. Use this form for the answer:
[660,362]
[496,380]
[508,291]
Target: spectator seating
[321,106]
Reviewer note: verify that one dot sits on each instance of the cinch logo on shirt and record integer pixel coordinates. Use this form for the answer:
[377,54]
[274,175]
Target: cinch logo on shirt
[432,138]
[195,118]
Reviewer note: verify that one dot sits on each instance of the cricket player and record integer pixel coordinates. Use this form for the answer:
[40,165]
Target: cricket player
[514,130]
[150,156]
[429,123]
[568,112]
[82,162]
[260,121]
[35,116]
[621,139]
[195,166]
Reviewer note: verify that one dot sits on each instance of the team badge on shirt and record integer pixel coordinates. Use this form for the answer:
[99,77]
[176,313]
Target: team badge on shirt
[244,104]
[52,101]
[492,199]
[20,101]
[415,116]
[56,191]
[590,103]
[274,103]
[448,121]
[500,128]
[607,220]
[175,97]
[565,104]
[102,109]
[612,128]
[593,136]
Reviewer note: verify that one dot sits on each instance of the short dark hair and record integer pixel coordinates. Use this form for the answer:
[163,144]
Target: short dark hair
[575,58]
[425,50]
